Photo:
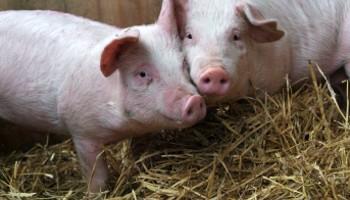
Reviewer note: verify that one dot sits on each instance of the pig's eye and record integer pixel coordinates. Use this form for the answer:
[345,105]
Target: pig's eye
[189,36]
[142,74]
[236,37]
[143,78]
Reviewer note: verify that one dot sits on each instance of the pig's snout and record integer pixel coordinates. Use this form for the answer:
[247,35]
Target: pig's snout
[214,82]
[193,110]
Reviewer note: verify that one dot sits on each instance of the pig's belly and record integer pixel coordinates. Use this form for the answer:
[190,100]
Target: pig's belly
[34,121]
[21,108]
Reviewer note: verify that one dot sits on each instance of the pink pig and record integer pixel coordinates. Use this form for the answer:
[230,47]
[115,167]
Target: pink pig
[236,46]
[100,84]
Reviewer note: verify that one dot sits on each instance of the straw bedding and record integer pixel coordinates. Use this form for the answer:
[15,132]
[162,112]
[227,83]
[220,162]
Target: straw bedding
[292,145]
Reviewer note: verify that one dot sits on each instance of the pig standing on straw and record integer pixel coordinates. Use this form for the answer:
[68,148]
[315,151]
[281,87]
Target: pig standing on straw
[100,84]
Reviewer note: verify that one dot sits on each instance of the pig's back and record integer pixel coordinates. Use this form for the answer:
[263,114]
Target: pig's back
[39,50]
[312,30]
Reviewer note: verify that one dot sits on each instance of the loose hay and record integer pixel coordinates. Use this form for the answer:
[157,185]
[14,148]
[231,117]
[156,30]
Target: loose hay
[293,145]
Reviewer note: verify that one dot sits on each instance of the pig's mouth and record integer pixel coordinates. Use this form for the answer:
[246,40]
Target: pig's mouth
[176,122]
[169,119]
[192,110]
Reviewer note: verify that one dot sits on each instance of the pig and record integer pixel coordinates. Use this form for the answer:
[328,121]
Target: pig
[99,84]
[236,47]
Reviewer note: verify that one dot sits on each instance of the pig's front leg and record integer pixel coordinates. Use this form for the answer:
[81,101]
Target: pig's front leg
[92,162]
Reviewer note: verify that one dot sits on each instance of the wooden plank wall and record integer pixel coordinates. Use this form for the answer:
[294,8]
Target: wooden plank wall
[116,12]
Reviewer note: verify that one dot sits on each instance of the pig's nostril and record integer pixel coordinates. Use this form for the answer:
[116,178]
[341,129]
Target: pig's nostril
[214,82]
[223,81]
[207,80]
[194,109]
[190,111]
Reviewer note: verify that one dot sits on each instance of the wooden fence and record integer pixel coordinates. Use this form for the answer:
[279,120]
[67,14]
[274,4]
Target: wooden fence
[116,12]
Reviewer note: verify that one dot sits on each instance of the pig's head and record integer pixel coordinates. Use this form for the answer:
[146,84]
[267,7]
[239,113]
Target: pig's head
[152,76]
[217,37]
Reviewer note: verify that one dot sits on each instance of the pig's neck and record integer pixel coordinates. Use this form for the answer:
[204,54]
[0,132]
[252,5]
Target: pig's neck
[92,104]
[267,67]
[113,113]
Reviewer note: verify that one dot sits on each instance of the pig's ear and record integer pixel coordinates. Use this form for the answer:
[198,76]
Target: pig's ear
[115,49]
[169,17]
[260,29]
[181,8]
[166,18]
